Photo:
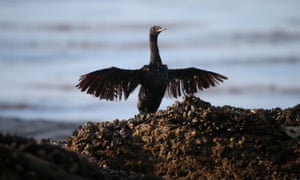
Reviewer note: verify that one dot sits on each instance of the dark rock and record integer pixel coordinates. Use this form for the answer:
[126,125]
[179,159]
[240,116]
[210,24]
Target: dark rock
[193,140]
[23,158]
[189,140]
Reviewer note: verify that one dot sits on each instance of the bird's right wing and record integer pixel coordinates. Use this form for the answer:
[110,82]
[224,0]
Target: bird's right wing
[191,80]
[111,83]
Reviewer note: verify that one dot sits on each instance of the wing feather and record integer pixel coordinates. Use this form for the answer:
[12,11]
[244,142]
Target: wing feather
[190,80]
[111,83]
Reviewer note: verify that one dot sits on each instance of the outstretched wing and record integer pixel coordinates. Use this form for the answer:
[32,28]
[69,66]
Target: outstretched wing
[190,80]
[111,83]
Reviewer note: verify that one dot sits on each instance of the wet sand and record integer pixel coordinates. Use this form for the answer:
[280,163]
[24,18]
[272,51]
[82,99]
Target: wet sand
[38,129]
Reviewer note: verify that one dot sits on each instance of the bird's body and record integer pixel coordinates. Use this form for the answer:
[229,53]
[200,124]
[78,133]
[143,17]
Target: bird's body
[155,79]
[153,86]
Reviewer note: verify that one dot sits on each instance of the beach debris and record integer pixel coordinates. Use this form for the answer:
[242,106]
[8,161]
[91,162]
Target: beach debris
[292,131]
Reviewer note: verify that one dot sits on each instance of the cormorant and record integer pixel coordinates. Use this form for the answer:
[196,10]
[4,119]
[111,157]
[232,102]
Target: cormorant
[155,79]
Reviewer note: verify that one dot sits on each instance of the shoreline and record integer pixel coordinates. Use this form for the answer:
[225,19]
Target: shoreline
[60,130]
[38,128]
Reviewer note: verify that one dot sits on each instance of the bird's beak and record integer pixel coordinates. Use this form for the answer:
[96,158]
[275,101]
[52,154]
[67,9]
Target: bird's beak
[162,29]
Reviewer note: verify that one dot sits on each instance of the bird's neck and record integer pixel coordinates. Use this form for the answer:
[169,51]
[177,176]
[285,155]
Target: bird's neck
[154,52]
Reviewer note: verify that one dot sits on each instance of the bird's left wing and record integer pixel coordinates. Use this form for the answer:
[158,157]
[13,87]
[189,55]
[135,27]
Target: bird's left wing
[111,83]
[190,80]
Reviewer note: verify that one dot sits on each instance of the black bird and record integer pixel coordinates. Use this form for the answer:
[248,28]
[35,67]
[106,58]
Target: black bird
[155,79]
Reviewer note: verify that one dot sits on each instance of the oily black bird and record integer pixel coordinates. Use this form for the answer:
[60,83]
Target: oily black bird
[155,79]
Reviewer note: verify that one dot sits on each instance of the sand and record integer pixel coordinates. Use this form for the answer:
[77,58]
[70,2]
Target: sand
[38,129]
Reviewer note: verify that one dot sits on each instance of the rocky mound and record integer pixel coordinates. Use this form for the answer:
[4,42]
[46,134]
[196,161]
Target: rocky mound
[23,158]
[193,140]
[189,140]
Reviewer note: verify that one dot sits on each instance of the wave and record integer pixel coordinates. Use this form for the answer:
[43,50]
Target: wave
[274,36]
[273,60]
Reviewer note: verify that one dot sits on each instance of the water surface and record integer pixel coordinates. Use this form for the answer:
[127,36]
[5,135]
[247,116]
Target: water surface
[46,45]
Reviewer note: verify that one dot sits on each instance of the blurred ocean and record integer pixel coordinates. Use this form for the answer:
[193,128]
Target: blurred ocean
[46,45]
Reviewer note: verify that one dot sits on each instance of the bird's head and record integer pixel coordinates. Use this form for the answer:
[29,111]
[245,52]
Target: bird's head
[155,30]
